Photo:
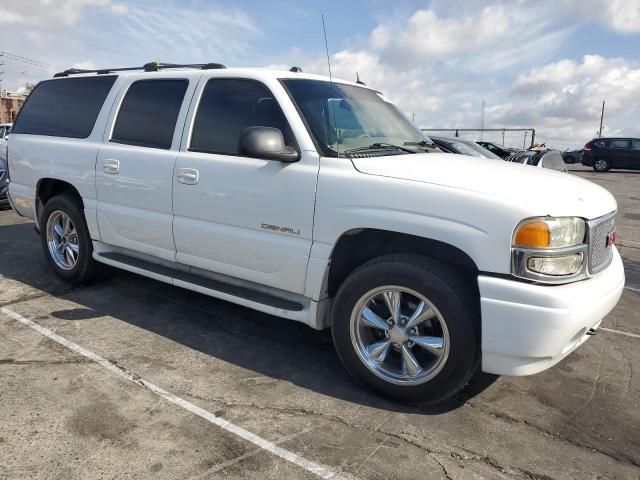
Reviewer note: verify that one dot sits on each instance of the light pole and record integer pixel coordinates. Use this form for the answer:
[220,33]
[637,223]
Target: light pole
[601,119]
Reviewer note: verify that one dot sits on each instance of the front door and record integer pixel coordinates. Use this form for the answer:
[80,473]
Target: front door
[134,169]
[248,218]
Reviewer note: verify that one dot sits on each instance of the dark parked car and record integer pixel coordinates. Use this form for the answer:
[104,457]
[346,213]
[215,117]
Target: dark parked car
[4,182]
[462,147]
[551,159]
[499,150]
[572,156]
[606,153]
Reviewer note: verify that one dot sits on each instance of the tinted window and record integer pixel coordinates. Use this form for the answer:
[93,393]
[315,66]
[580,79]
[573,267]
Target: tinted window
[619,144]
[227,107]
[149,112]
[64,108]
[635,144]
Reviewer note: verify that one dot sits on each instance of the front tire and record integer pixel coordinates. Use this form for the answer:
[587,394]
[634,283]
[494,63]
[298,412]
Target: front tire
[407,327]
[65,239]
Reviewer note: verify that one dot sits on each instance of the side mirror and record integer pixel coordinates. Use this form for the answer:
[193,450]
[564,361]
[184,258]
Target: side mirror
[266,142]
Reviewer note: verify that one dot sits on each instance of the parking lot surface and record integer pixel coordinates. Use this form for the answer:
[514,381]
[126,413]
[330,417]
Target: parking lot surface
[66,416]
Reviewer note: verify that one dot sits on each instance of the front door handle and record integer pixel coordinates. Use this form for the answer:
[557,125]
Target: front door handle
[188,176]
[111,166]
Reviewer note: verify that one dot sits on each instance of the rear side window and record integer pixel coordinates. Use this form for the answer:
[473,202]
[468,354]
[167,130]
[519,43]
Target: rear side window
[149,113]
[635,144]
[227,107]
[64,108]
[619,144]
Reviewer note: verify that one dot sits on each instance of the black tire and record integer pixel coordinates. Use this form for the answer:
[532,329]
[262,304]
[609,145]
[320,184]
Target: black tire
[85,268]
[449,293]
[606,165]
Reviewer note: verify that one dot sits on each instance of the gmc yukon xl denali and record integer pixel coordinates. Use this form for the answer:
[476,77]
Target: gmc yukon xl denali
[317,201]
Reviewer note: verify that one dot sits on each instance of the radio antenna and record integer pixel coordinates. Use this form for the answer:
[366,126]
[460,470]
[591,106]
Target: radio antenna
[333,108]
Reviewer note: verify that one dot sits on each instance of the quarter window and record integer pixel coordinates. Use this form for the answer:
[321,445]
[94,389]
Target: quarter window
[66,107]
[149,113]
[227,107]
[635,144]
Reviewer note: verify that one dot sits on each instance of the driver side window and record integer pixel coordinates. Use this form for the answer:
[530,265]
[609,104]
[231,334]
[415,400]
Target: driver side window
[227,107]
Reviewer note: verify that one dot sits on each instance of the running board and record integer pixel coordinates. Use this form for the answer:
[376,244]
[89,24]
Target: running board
[183,276]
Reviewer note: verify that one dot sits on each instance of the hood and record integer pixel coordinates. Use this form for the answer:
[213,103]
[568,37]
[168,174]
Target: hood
[546,192]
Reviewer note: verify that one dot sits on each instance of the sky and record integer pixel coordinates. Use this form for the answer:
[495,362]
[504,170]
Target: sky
[543,64]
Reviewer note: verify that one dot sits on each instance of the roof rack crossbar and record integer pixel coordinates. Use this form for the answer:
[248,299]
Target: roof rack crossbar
[147,67]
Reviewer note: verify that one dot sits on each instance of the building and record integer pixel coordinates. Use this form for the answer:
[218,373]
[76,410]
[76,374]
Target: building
[10,104]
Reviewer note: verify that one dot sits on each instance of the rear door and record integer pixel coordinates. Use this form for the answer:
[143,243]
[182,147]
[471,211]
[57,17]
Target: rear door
[134,169]
[619,153]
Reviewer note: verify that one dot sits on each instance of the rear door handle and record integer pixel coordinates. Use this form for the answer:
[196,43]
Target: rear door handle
[111,166]
[188,176]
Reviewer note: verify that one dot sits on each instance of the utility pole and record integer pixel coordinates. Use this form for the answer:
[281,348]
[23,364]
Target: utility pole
[502,136]
[601,118]
[413,117]
[482,120]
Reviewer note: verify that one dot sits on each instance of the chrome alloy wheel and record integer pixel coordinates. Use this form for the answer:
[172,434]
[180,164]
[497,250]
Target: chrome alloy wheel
[399,335]
[62,240]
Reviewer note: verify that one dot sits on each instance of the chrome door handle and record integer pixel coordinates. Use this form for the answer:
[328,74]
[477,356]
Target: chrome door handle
[188,176]
[111,166]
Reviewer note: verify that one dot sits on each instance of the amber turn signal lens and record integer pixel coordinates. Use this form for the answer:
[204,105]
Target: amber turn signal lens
[534,234]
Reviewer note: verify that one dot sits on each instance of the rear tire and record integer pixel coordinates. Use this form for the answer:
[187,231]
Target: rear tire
[444,348]
[65,239]
[601,165]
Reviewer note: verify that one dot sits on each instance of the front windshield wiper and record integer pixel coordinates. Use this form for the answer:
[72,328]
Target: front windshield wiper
[379,146]
[421,143]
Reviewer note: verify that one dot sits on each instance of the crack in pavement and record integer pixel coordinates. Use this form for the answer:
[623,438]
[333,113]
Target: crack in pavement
[473,456]
[13,361]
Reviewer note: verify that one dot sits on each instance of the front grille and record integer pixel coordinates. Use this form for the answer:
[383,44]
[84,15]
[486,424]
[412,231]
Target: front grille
[600,254]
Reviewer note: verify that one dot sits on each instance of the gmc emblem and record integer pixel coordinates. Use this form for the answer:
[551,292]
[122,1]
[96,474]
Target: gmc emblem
[611,238]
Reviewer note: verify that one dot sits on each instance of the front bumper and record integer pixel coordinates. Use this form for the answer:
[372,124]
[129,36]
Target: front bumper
[527,328]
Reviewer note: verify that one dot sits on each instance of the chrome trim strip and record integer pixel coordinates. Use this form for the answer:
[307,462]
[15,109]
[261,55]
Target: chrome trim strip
[520,256]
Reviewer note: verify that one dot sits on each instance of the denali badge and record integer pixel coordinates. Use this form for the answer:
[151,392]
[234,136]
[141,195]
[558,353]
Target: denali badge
[611,238]
[278,228]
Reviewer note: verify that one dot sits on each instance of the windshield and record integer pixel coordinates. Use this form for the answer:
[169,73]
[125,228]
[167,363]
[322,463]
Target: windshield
[473,149]
[344,117]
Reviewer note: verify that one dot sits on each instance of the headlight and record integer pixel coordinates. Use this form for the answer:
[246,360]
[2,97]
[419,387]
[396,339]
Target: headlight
[550,250]
[549,232]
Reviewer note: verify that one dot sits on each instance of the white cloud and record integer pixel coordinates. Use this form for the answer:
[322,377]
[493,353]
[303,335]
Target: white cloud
[563,99]
[621,15]
[45,12]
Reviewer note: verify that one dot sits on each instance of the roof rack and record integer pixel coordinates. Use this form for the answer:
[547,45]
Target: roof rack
[147,67]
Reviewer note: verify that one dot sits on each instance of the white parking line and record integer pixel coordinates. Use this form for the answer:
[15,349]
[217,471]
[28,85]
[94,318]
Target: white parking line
[620,332]
[637,290]
[283,453]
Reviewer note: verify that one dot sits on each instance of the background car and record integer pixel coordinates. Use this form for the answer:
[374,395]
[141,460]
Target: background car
[603,154]
[4,182]
[572,156]
[499,150]
[462,147]
[551,159]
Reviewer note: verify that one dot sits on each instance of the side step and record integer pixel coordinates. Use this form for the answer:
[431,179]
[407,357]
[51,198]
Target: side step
[185,275]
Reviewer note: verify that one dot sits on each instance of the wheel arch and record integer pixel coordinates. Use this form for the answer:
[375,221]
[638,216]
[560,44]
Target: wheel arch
[357,246]
[47,188]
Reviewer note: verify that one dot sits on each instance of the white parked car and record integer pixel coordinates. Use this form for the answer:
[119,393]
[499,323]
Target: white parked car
[319,202]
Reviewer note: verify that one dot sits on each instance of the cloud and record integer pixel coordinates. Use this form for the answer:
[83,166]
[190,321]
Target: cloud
[563,99]
[45,12]
[620,15]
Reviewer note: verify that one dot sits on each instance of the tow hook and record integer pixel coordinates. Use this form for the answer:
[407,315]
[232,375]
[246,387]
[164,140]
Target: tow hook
[592,331]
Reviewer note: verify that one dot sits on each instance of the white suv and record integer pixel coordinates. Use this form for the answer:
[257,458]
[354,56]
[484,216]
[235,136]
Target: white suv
[317,201]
